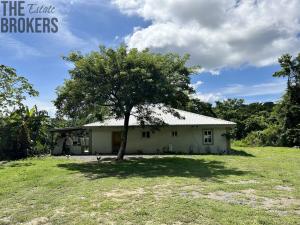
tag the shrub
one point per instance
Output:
(23, 133)
(240, 143)
(291, 137)
(39, 149)
(267, 137)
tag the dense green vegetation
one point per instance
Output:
(254, 186)
(250, 118)
(23, 131)
(267, 123)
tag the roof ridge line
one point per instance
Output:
(203, 115)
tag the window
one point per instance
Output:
(174, 133)
(208, 137)
(146, 134)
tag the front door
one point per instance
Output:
(116, 142)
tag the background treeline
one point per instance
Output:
(263, 124)
(258, 124)
(277, 125)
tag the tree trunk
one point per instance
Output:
(122, 149)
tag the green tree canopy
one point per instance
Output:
(196, 106)
(289, 109)
(248, 117)
(121, 79)
(13, 89)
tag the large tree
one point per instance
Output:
(289, 109)
(13, 89)
(123, 79)
(232, 110)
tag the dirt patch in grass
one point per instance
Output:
(249, 198)
(162, 186)
(162, 193)
(222, 196)
(243, 182)
(106, 218)
(192, 188)
(269, 203)
(3, 162)
(60, 211)
(283, 188)
(5, 220)
(124, 193)
(38, 221)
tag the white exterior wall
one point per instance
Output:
(189, 138)
(102, 140)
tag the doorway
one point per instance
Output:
(116, 141)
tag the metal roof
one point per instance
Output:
(186, 119)
(66, 129)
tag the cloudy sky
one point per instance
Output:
(237, 42)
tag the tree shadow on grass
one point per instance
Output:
(15, 164)
(240, 153)
(154, 167)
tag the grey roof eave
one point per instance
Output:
(166, 125)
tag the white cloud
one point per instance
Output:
(209, 97)
(218, 33)
(197, 84)
(243, 91)
(18, 48)
(239, 90)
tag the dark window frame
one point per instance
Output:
(205, 136)
(174, 133)
(146, 134)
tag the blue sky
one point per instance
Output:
(236, 42)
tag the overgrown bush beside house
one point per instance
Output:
(267, 137)
(24, 133)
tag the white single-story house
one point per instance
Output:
(189, 134)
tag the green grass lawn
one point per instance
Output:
(255, 186)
